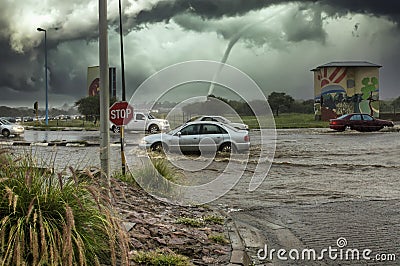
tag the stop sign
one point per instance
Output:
(121, 113)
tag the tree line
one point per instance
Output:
(279, 102)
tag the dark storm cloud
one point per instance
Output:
(165, 10)
(388, 8)
(303, 24)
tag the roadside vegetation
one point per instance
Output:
(60, 124)
(159, 258)
(50, 219)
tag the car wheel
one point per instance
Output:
(5, 133)
(157, 147)
(153, 129)
(116, 129)
(226, 148)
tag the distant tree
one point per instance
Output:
(304, 107)
(90, 106)
(279, 100)
(396, 104)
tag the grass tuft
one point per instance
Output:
(159, 258)
(219, 239)
(156, 176)
(194, 222)
(215, 219)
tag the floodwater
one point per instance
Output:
(318, 165)
(309, 165)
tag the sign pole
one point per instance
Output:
(123, 162)
(104, 94)
(122, 140)
(120, 114)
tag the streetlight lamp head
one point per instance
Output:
(40, 29)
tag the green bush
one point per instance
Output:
(48, 219)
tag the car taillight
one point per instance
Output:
(247, 138)
(333, 122)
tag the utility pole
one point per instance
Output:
(104, 93)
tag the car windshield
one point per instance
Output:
(222, 119)
(5, 122)
(342, 117)
(174, 131)
(150, 116)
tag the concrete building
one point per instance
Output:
(346, 87)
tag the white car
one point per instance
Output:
(144, 122)
(199, 136)
(220, 119)
(7, 128)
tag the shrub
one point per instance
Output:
(48, 219)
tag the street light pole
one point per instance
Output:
(45, 73)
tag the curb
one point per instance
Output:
(239, 255)
(60, 143)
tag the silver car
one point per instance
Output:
(220, 119)
(199, 136)
(7, 128)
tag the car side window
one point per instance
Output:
(140, 117)
(190, 130)
(355, 117)
(212, 129)
(367, 118)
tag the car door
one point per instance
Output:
(189, 138)
(211, 137)
(138, 123)
(369, 123)
(356, 122)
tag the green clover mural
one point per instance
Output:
(370, 85)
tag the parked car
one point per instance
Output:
(7, 128)
(359, 122)
(144, 122)
(221, 119)
(199, 136)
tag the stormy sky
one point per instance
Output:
(279, 42)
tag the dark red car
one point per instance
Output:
(359, 122)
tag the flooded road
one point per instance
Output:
(310, 165)
(314, 165)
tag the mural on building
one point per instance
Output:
(343, 89)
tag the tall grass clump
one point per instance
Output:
(48, 219)
(155, 176)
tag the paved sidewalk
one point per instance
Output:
(364, 224)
